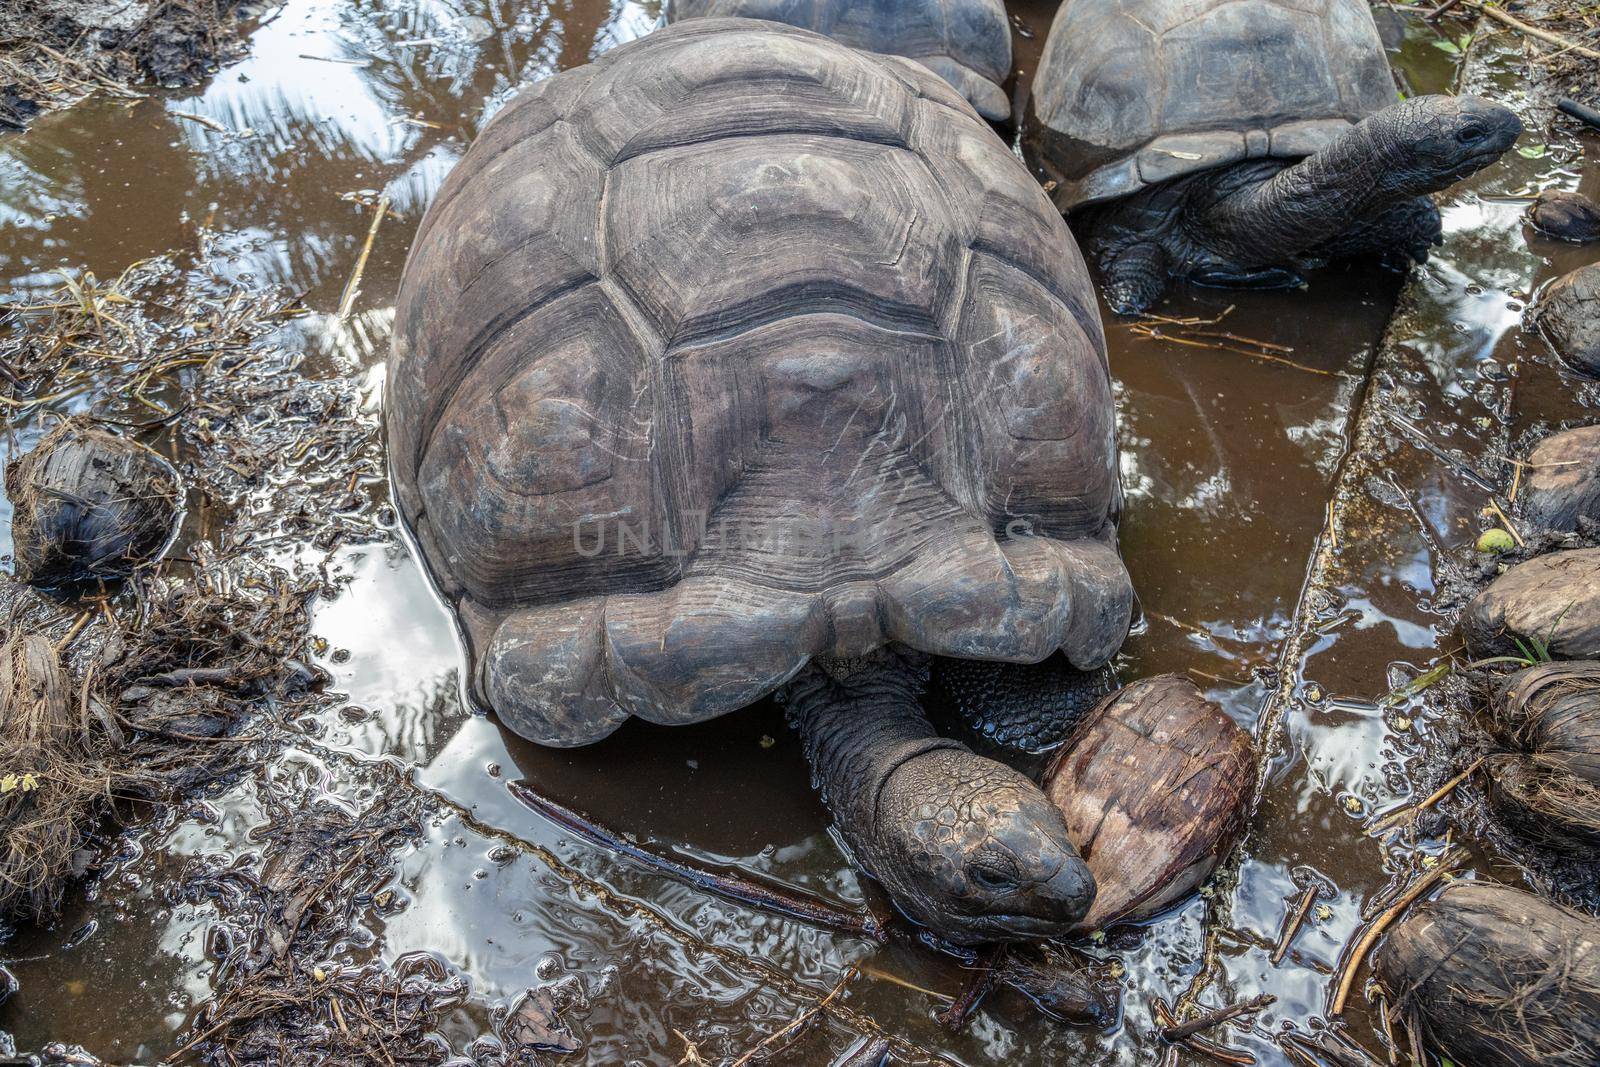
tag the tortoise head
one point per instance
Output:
(1431, 142)
(975, 851)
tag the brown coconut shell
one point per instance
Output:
(1499, 977)
(1155, 784)
(89, 506)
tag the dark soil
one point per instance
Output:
(53, 52)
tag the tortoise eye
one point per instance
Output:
(992, 878)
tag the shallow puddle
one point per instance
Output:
(1297, 615)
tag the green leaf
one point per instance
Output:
(1448, 46)
(1532, 151)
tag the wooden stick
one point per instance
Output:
(1376, 928)
(1405, 814)
(1586, 115)
(1441, 9)
(793, 903)
(77, 627)
(353, 286)
(1531, 31)
(1301, 909)
(1199, 1045)
(1212, 1018)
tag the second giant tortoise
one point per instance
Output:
(1242, 141)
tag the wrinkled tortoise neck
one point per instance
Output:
(859, 721)
(1307, 204)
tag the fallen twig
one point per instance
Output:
(1375, 929)
(1199, 1045)
(1295, 920)
(1395, 818)
(1206, 1021)
(1505, 19)
(793, 903)
(352, 288)
(1586, 115)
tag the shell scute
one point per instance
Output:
(813, 222)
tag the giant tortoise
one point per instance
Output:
(965, 42)
(1242, 141)
(740, 361)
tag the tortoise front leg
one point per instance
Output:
(1023, 707)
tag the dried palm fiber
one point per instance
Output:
(1547, 787)
(51, 782)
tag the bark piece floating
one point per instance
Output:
(89, 506)
(793, 903)
(1499, 977)
(1154, 784)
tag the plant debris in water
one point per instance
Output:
(54, 52)
(283, 996)
(189, 672)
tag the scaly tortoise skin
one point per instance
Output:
(657, 296)
(965, 42)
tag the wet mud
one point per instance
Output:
(55, 52)
(1302, 476)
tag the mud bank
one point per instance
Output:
(57, 51)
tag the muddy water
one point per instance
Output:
(1296, 623)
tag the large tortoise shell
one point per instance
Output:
(1131, 93)
(735, 347)
(956, 39)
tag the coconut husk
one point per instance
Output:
(1546, 606)
(1544, 804)
(51, 779)
(1554, 710)
(1154, 785)
(89, 506)
(1547, 789)
(1498, 976)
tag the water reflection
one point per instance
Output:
(1228, 462)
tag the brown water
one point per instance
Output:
(1229, 461)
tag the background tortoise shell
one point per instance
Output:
(728, 289)
(942, 35)
(1131, 93)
